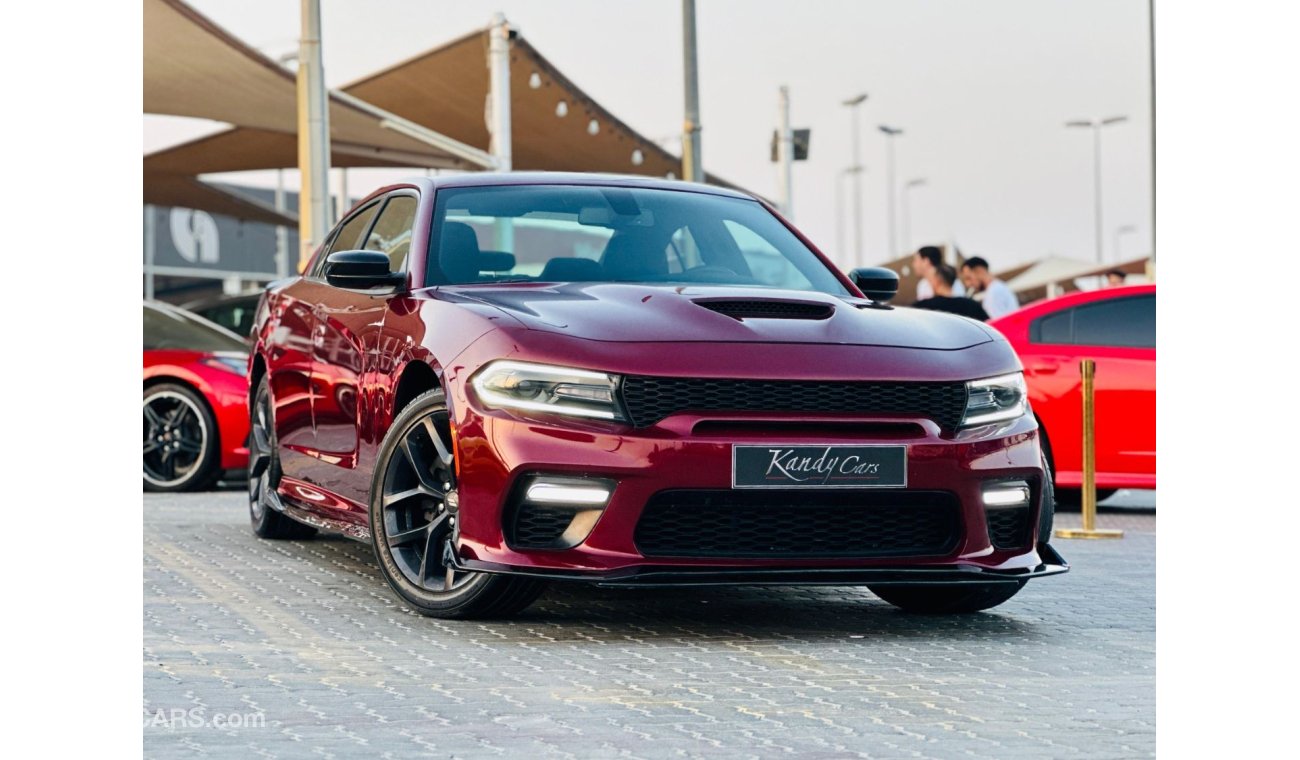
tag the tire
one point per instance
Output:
(264, 473)
(413, 505)
(949, 599)
(181, 443)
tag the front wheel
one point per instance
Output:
(180, 440)
(948, 599)
(413, 513)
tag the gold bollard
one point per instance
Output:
(1088, 368)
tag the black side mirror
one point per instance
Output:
(361, 270)
(877, 283)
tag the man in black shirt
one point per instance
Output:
(941, 279)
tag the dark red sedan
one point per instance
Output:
(505, 380)
(195, 400)
(1116, 327)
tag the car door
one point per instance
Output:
(1119, 335)
(295, 388)
(349, 327)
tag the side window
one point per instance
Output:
(1121, 322)
(683, 253)
(348, 237)
(1125, 322)
(766, 263)
(392, 231)
(1054, 328)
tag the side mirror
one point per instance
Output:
(361, 270)
(877, 283)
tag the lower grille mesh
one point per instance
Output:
(724, 523)
(536, 528)
(1009, 528)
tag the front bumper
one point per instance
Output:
(651, 576)
(498, 449)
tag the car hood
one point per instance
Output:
(649, 313)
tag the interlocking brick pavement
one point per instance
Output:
(302, 644)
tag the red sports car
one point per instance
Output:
(195, 400)
(504, 380)
(1116, 327)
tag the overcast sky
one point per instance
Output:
(981, 89)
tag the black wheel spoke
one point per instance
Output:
(406, 537)
(189, 446)
(151, 445)
(412, 454)
(444, 455)
(392, 499)
(151, 415)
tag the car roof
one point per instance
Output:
(489, 179)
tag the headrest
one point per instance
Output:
(459, 256)
(571, 269)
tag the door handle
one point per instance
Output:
(1044, 366)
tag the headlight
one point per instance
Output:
(995, 399)
(230, 362)
(541, 388)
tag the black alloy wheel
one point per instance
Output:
(413, 512)
(180, 440)
(264, 473)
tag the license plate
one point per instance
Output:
(824, 466)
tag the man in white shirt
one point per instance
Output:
(992, 293)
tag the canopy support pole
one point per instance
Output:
(499, 94)
(785, 154)
(692, 162)
(313, 137)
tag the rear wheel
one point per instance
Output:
(413, 513)
(948, 599)
(180, 440)
(264, 473)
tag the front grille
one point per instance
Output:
(650, 399)
(769, 309)
(537, 528)
(1009, 527)
(799, 524)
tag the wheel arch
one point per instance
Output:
(416, 377)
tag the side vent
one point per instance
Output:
(741, 310)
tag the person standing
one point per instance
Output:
(992, 293)
(941, 282)
(924, 263)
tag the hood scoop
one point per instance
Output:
(742, 309)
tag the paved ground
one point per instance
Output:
(255, 648)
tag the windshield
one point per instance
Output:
(573, 233)
(175, 329)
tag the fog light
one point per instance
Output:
(576, 492)
(1006, 495)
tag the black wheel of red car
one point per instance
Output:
(1047, 515)
(948, 599)
(264, 473)
(413, 511)
(180, 439)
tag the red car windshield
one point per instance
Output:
(574, 233)
(166, 328)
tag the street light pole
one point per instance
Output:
(313, 136)
(856, 168)
(785, 154)
(891, 188)
(907, 209)
(692, 166)
(839, 214)
(1095, 125)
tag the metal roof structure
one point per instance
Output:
(427, 111)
